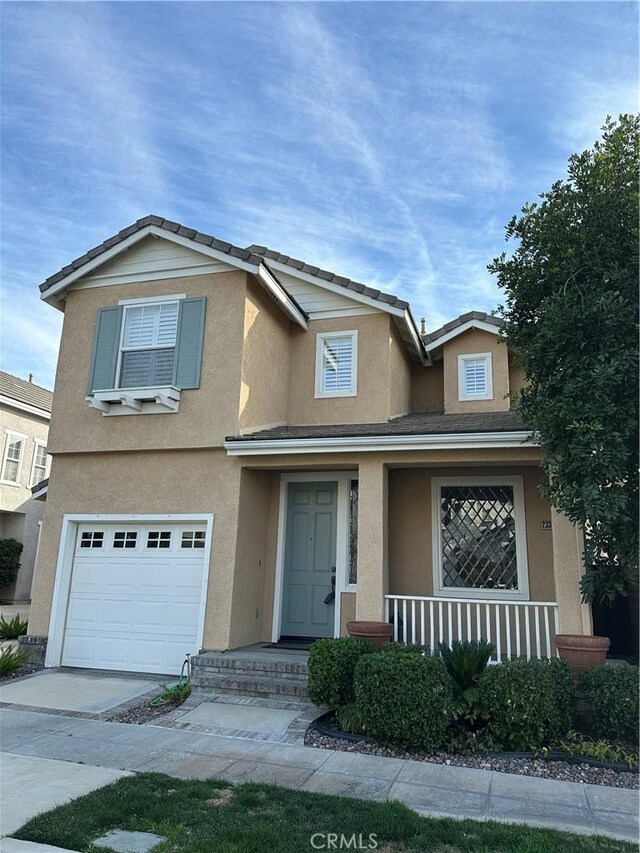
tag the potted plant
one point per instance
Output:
(582, 651)
(377, 632)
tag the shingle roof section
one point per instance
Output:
(167, 225)
(415, 424)
(25, 392)
(326, 275)
(460, 321)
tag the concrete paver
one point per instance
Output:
(73, 691)
(433, 789)
(129, 842)
(240, 717)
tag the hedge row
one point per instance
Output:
(405, 698)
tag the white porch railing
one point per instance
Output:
(522, 628)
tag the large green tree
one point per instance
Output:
(571, 312)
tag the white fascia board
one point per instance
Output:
(268, 279)
(417, 340)
(376, 443)
(50, 294)
(335, 288)
(25, 407)
(459, 330)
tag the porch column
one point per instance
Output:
(373, 570)
(568, 568)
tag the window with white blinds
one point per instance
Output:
(474, 377)
(148, 345)
(336, 364)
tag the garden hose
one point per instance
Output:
(175, 692)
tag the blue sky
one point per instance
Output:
(389, 142)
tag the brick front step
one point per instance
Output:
(246, 685)
(242, 674)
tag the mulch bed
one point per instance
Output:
(140, 714)
(541, 767)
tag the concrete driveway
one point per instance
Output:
(33, 785)
(74, 691)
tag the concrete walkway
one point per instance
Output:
(430, 789)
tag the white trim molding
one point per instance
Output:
(460, 330)
(352, 390)
(485, 357)
(37, 442)
(342, 478)
(375, 443)
(64, 569)
(25, 407)
(439, 590)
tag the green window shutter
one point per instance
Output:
(105, 349)
(186, 371)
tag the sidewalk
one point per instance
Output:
(431, 789)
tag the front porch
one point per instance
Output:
(457, 547)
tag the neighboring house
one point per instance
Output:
(236, 434)
(25, 410)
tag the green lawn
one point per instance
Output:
(214, 817)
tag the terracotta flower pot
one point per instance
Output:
(582, 651)
(377, 632)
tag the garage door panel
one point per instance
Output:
(136, 608)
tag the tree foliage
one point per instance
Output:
(571, 312)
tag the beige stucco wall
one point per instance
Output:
(206, 415)
(427, 387)
(19, 513)
(399, 375)
(264, 395)
(204, 481)
(348, 610)
(372, 403)
(473, 341)
(516, 377)
(410, 539)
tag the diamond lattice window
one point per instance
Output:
(477, 525)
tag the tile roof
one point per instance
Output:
(347, 283)
(415, 424)
(460, 321)
(253, 255)
(159, 222)
(25, 392)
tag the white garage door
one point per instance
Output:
(135, 597)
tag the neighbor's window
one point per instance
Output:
(12, 458)
(148, 345)
(353, 531)
(39, 472)
(337, 364)
(474, 377)
(480, 546)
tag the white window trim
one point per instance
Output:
(472, 356)
(320, 339)
(8, 435)
(47, 462)
(522, 593)
(135, 303)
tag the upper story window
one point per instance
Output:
(337, 364)
(12, 457)
(40, 463)
(148, 346)
(474, 376)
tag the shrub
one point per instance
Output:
(332, 665)
(611, 695)
(527, 703)
(465, 662)
(10, 660)
(404, 699)
(10, 550)
(349, 719)
(602, 750)
(12, 629)
(394, 648)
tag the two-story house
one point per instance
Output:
(25, 411)
(236, 435)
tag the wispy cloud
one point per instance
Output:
(387, 142)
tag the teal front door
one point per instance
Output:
(309, 560)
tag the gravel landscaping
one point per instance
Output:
(25, 669)
(141, 713)
(543, 768)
